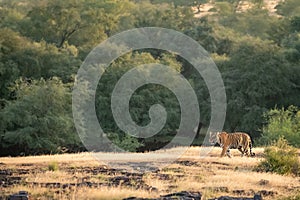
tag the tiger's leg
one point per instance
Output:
(228, 153)
(225, 149)
(249, 149)
(241, 150)
(246, 151)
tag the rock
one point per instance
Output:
(263, 182)
(266, 193)
(53, 185)
(187, 163)
(5, 172)
(233, 198)
(23, 171)
(164, 176)
(27, 164)
(69, 185)
(22, 195)
(217, 189)
(257, 197)
(184, 195)
(7, 181)
(239, 192)
(119, 180)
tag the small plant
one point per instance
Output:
(101, 177)
(133, 182)
(281, 158)
(53, 166)
(198, 177)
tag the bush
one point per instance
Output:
(282, 123)
(125, 142)
(292, 197)
(281, 158)
(53, 166)
(39, 120)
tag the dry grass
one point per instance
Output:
(79, 157)
(103, 193)
(207, 174)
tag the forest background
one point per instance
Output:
(43, 44)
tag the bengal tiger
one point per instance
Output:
(241, 141)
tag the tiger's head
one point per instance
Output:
(216, 137)
(213, 137)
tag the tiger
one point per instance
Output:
(241, 141)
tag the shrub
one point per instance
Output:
(282, 123)
(125, 142)
(292, 197)
(280, 158)
(53, 166)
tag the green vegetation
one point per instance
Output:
(293, 197)
(43, 43)
(281, 158)
(282, 123)
(39, 120)
(53, 166)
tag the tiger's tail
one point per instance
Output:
(250, 146)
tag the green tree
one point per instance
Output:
(39, 121)
(249, 22)
(140, 102)
(251, 77)
(10, 17)
(79, 23)
(288, 8)
(166, 16)
(202, 31)
(10, 42)
(19, 57)
(46, 60)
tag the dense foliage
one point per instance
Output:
(282, 123)
(39, 120)
(43, 43)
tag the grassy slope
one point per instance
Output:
(207, 175)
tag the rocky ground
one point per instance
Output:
(189, 177)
